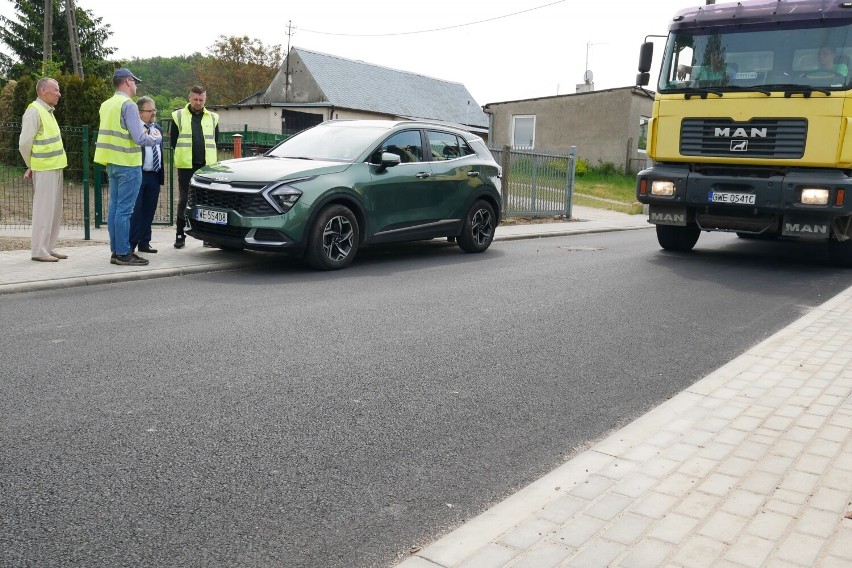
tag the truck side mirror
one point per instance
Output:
(646, 54)
(642, 79)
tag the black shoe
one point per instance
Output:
(147, 248)
(130, 260)
(112, 259)
(180, 240)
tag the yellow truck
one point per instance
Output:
(751, 129)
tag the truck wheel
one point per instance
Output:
(478, 230)
(678, 238)
(333, 239)
(840, 253)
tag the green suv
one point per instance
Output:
(342, 184)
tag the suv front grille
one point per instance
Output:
(758, 138)
(247, 201)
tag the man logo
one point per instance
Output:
(739, 145)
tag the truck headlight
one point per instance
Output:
(814, 196)
(283, 196)
(662, 188)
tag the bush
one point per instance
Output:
(581, 168)
(606, 169)
(558, 167)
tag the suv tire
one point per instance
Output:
(478, 230)
(333, 239)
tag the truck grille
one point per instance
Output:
(759, 138)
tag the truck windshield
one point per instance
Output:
(780, 57)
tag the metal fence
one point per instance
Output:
(536, 184)
(16, 193)
(86, 193)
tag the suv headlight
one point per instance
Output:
(283, 196)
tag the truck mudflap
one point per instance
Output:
(669, 215)
(807, 226)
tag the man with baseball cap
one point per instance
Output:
(119, 147)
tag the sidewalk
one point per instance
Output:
(88, 265)
(750, 466)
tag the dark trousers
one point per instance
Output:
(143, 211)
(184, 176)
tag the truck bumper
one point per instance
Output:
(749, 202)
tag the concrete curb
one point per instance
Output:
(79, 281)
(129, 274)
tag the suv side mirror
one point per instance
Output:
(646, 54)
(389, 160)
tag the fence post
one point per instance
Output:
(238, 145)
(85, 167)
(97, 185)
(505, 161)
(534, 183)
(569, 189)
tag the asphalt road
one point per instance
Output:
(283, 417)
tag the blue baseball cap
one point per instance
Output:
(124, 72)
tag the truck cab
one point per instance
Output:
(750, 130)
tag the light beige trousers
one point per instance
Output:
(47, 211)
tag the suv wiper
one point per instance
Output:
(791, 89)
(691, 92)
(294, 157)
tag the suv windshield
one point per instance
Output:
(336, 142)
(780, 57)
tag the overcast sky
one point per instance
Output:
(499, 50)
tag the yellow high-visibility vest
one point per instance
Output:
(183, 145)
(48, 153)
(115, 145)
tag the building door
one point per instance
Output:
(293, 121)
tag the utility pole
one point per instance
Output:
(287, 60)
(76, 57)
(47, 46)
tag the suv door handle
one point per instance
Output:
(422, 175)
(473, 174)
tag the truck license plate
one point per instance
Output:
(210, 216)
(734, 198)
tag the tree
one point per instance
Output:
(237, 67)
(25, 39)
(172, 76)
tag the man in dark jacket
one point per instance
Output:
(194, 133)
(153, 177)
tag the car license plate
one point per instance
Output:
(210, 216)
(734, 198)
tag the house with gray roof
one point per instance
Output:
(311, 87)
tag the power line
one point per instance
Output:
(434, 29)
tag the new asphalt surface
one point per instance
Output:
(750, 466)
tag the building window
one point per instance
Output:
(523, 131)
(643, 133)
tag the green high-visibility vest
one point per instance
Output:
(48, 153)
(183, 145)
(115, 145)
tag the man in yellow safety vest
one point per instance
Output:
(41, 147)
(193, 137)
(119, 147)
